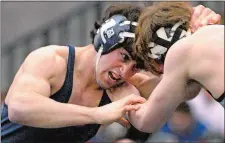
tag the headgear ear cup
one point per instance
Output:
(113, 32)
(97, 41)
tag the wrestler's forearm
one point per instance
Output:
(144, 121)
(136, 118)
(145, 83)
(153, 114)
(39, 111)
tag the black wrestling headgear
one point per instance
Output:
(113, 33)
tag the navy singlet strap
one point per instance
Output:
(64, 93)
(221, 97)
(105, 99)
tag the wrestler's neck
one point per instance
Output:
(85, 65)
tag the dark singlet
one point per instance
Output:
(220, 99)
(16, 133)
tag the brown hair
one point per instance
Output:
(158, 15)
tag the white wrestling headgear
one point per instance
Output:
(164, 38)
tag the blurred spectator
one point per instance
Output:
(181, 127)
(118, 134)
(109, 133)
(136, 135)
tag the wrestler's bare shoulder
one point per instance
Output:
(53, 58)
(210, 36)
(58, 50)
(219, 29)
(60, 54)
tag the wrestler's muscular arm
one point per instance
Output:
(145, 83)
(169, 93)
(29, 103)
(141, 84)
(28, 98)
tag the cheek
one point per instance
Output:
(108, 62)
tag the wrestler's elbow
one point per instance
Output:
(135, 121)
(147, 127)
(16, 111)
(148, 124)
(142, 122)
(140, 126)
(15, 114)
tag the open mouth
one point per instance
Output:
(113, 76)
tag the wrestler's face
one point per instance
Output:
(114, 68)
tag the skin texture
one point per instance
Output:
(145, 82)
(43, 72)
(183, 62)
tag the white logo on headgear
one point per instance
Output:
(110, 33)
(109, 23)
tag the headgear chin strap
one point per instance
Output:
(164, 38)
(98, 58)
(111, 33)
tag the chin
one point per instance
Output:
(107, 86)
(102, 85)
(118, 85)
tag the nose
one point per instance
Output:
(128, 70)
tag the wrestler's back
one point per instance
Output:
(206, 58)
